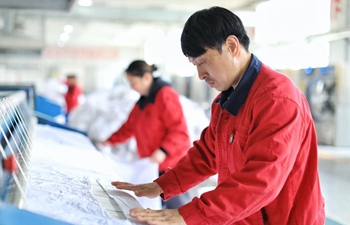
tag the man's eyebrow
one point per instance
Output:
(191, 59)
(201, 57)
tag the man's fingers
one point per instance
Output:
(147, 214)
(119, 183)
(124, 185)
(141, 213)
(158, 217)
(150, 190)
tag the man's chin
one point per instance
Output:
(218, 89)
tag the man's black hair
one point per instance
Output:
(209, 28)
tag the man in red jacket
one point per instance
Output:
(261, 140)
(73, 93)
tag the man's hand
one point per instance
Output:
(156, 217)
(150, 190)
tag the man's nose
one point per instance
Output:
(202, 75)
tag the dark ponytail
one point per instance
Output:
(139, 67)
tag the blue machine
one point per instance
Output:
(10, 215)
(29, 89)
(319, 85)
(16, 128)
(47, 107)
(15, 131)
(43, 109)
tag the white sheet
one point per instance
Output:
(61, 168)
(136, 171)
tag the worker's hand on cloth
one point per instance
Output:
(104, 146)
(158, 156)
(105, 143)
(150, 190)
(155, 217)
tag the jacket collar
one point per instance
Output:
(231, 99)
(150, 98)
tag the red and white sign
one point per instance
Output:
(85, 53)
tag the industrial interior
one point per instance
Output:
(53, 169)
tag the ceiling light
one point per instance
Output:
(68, 29)
(60, 43)
(64, 37)
(85, 2)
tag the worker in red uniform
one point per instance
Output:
(73, 93)
(157, 122)
(261, 139)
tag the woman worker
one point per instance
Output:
(157, 122)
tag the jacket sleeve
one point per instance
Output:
(176, 140)
(195, 167)
(198, 165)
(126, 131)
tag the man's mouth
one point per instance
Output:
(210, 83)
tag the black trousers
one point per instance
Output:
(176, 201)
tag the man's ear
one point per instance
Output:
(233, 44)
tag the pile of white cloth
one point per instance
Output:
(104, 112)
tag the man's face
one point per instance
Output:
(216, 68)
(71, 81)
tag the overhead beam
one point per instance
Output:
(56, 5)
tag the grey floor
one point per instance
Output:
(334, 169)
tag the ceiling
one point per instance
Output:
(26, 27)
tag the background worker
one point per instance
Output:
(157, 122)
(73, 94)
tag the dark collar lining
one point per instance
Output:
(156, 86)
(231, 99)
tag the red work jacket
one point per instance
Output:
(262, 143)
(72, 97)
(157, 122)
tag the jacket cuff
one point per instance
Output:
(169, 184)
(191, 214)
(163, 150)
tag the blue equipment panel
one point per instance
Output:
(10, 215)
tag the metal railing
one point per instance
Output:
(16, 131)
